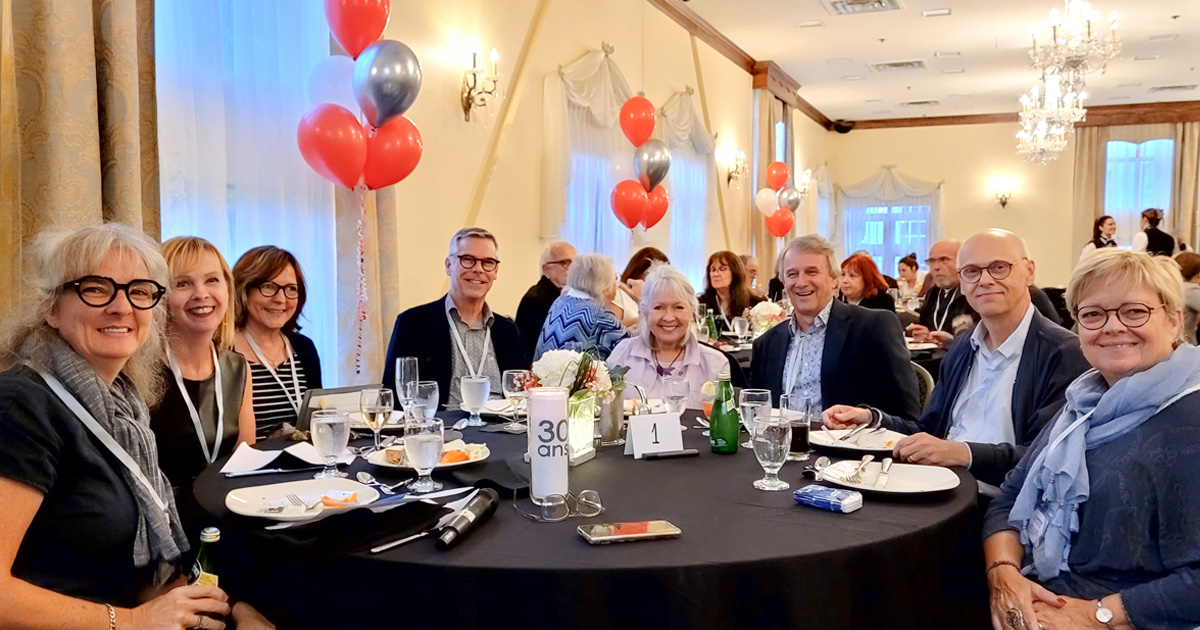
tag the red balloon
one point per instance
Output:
(356, 24)
(393, 151)
(637, 119)
(332, 142)
(630, 203)
(777, 175)
(781, 222)
(659, 201)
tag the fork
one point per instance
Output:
(857, 476)
(858, 438)
(298, 502)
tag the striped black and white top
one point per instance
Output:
(271, 405)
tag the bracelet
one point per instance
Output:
(112, 617)
(1001, 562)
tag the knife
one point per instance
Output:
(882, 479)
(269, 471)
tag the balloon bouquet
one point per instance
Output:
(380, 77)
(778, 201)
(643, 200)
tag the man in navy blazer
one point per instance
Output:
(1000, 385)
(830, 351)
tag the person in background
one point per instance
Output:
(457, 334)
(726, 290)
(269, 294)
(578, 319)
(945, 311)
(863, 285)
(1189, 268)
(666, 346)
(1152, 240)
(998, 387)
(625, 302)
(535, 304)
(912, 278)
(1102, 236)
(750, 264)
(891, 282)
(91, 537)
(775, 286)
(1096, 526)
(832, 352)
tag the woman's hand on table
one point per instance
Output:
(921, 334)
(181, 608)
(845, 416)
(245, 617)
(923, 448)
(1012, 591)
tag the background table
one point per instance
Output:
(746, 558)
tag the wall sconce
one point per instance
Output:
(805, 182)
(1003, 189)
(735, 163)
(478, 87)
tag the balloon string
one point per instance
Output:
(360, 315)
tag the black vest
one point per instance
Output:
(1159, 243)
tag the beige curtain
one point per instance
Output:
(1185, 196)
(1091, 147)
(77, 121)
(771, 111)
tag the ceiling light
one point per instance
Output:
(1129, 85)
(1075, 44)
(897, 66)
(1146, 57)
(834, 62)
(853, 7)
(954, 53)
(935, 12)
(809, 24)
(853, 77)
(954, 71)
(873, 100)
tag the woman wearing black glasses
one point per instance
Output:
(269, 298)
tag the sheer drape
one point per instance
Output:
(768, 145)
(693, 198)
(828, 221)
(1185, 197)
(889, 215)
(1091, 145)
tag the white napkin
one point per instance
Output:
(246, 457)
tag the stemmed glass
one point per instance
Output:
(514, 383)
(424, 394)
(475, 391)
(798, 410)
(376, 407)
(406, 372)
(741, 328)
(754, 403)
(676, 390)
(423, 442)
(330, 435)
(772, 439)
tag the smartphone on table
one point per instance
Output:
(604, 533)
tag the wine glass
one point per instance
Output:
(676, 390)
(406, 372)
(376, 407)
(330, 435)
(423, 442)
(475, 391)
(514, 383)
(798, 410)
(741, 327)
(754, 403)
(425, 394)
(772, 437)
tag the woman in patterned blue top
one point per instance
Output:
(1097, 527)
(579, 319)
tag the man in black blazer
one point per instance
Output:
(535, 304)
(998, 386)
(457, 334)
(830, 351)
(945, 311)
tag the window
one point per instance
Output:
(887, 232)
(1137, 176)
(590, 224)
(688, 186)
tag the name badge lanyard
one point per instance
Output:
(209, 456)
(105, 438)
(258, 354)
(487, 343)
(937, 307)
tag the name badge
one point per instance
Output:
(653, 433)
(1037, 525)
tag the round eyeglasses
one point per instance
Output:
(998, 270)
(1131, 314)
(99, 291)
(558, 507)
(270, 289)
(468, 262)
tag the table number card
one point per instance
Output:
(653, 433)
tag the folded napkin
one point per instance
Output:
(354, 531)
(507, 476)
(246, 457)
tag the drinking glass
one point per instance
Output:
(406, 372)
(376, 407)
(474, 391)
(425, 394)
(798, 411)
(423, 442)
(754, 403)
(772, 439)
(514, 383)
(741, 327)
(330, 435)
(676, 390)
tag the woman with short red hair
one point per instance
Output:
(863, 285)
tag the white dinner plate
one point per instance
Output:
(494, 407)
(379, 458)
(253, 500)
(879, 443)
(912, 345)
(902, 478)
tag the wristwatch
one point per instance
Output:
(1103, 615)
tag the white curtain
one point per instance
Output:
(689, 182)
(231, 90)
(890, 216)
(827, 220)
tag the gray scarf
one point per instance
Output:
(160, 539)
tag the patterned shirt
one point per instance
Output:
(802, 371)
(473, 338)
(272, 405)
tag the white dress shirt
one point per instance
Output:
(983, 410)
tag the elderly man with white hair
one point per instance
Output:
(535, 304)
(579, 319)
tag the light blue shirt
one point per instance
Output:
(802, 370)
(983, 410)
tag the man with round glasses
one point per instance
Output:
(458, 335)
(997, 387)
(945, 311)
(535, 304)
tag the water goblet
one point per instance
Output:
(514, 383)
(330, 435)
(772, 439)
(423, 443)
(406, 372)
(754, 403)
(425, 394)
(676, 390)
(376, 407)
(474, 391)
(741, 328)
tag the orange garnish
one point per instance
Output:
(336, 503)
(454, 456)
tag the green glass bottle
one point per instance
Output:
(204, 568)
(710, 322)
(724, 421)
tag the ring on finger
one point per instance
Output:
(199, 623)
(1013, 618)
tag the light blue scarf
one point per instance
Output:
(1046, 511)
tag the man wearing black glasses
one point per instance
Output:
(457, 335)
(945, 310)
(998, 386)
(535, 305)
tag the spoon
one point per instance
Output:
(369, 479)
(816, 467)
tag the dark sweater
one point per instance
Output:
(532, 311)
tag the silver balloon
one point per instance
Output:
(387, 77)
(651, 162)
(790, 198)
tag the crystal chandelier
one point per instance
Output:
(1048, 117)
(1077, 44)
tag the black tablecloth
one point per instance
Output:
(746, 558)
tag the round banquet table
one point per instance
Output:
(747, 558)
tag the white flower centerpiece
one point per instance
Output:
(764, 315)
(587, 380)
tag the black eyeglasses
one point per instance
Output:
(564, 263)
(489, 264)
(270, 289)
(998, 270)
(99, 291)
(1131, 314)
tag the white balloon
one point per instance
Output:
(767, 201)
(620, 166)
(332, 81)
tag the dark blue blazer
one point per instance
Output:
(1050, 360)
(865, 361)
